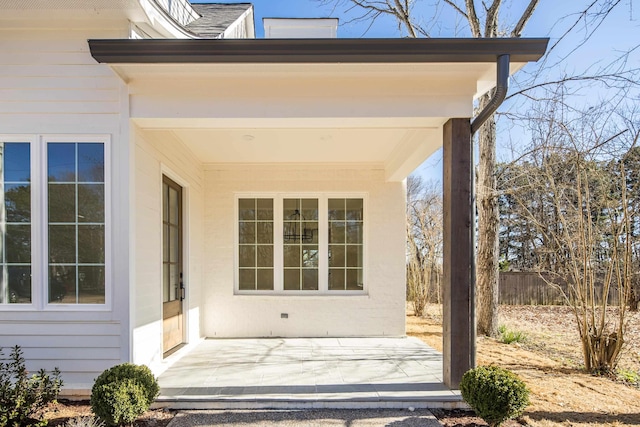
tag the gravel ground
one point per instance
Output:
(325, 417)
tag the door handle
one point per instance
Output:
(182, 289)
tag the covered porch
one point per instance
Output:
(291, 373)
(324, 120)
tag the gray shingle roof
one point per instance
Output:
(215, 17)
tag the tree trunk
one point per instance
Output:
(488, 218)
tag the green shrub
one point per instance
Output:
(119, 402)
(494, 393)
(508, 336)
(123, 393)
(21, 396)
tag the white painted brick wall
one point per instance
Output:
(378, 313)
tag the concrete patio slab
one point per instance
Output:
(307, 373)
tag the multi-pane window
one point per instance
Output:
(301, 244)
(76, 223)
(345, 244)
(255, 249)
(15, 223)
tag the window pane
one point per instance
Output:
(265, 280)
(265, 256)
(264, 232)
(354, 279)
(354, 232)
(309, 209)
(336, 256)
(17, 199)
(354, 209)
(336, 279)
(291, 231)
(265, 209)
(310, 280)
(247, 209)
(336, 209)
(62, 284)
(336, 232)
(19, 281)
(291, 209)
(90, 162)
(62, 203)
(91, 203)
(165, 243)
(61, 160)
(247, 256)
(354, 255)
(17, 162)
(310, 256)
(174, 238)
(292, 279)
(174, 207)
(18, 244)
(91, 285)
(291, 256)
(91, 244)
(247, 279)
(165, 202)
(310, 232)
(62, 244)
(247, 232)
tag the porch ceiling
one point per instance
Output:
(371, 102)
(374, 146)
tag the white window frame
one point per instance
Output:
(323, 243)
(40, 221)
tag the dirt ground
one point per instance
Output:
(549, 362)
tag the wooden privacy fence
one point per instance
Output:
(525, 288)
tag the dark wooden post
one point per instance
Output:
(459, 330)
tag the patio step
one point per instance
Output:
(217, 402)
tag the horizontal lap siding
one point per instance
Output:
(50, 84)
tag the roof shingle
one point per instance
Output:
(215, 17)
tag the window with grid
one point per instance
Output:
(345, 223)
(76, 223)
(255, 248)
(300, 244)
(15, 223)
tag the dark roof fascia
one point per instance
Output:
(263, 51)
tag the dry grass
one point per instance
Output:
(550, 363)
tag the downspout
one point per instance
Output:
(502, 85)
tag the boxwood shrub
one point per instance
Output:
(494, 393)
(123, 393)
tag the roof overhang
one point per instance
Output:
(285, 51)
(380, 102)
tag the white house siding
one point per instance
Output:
(158, 153)
(50, 85)
(379, 312)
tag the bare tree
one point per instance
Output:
(424, 243)
(575, 192)
(483, 20)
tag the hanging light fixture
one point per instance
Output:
(292, 229)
